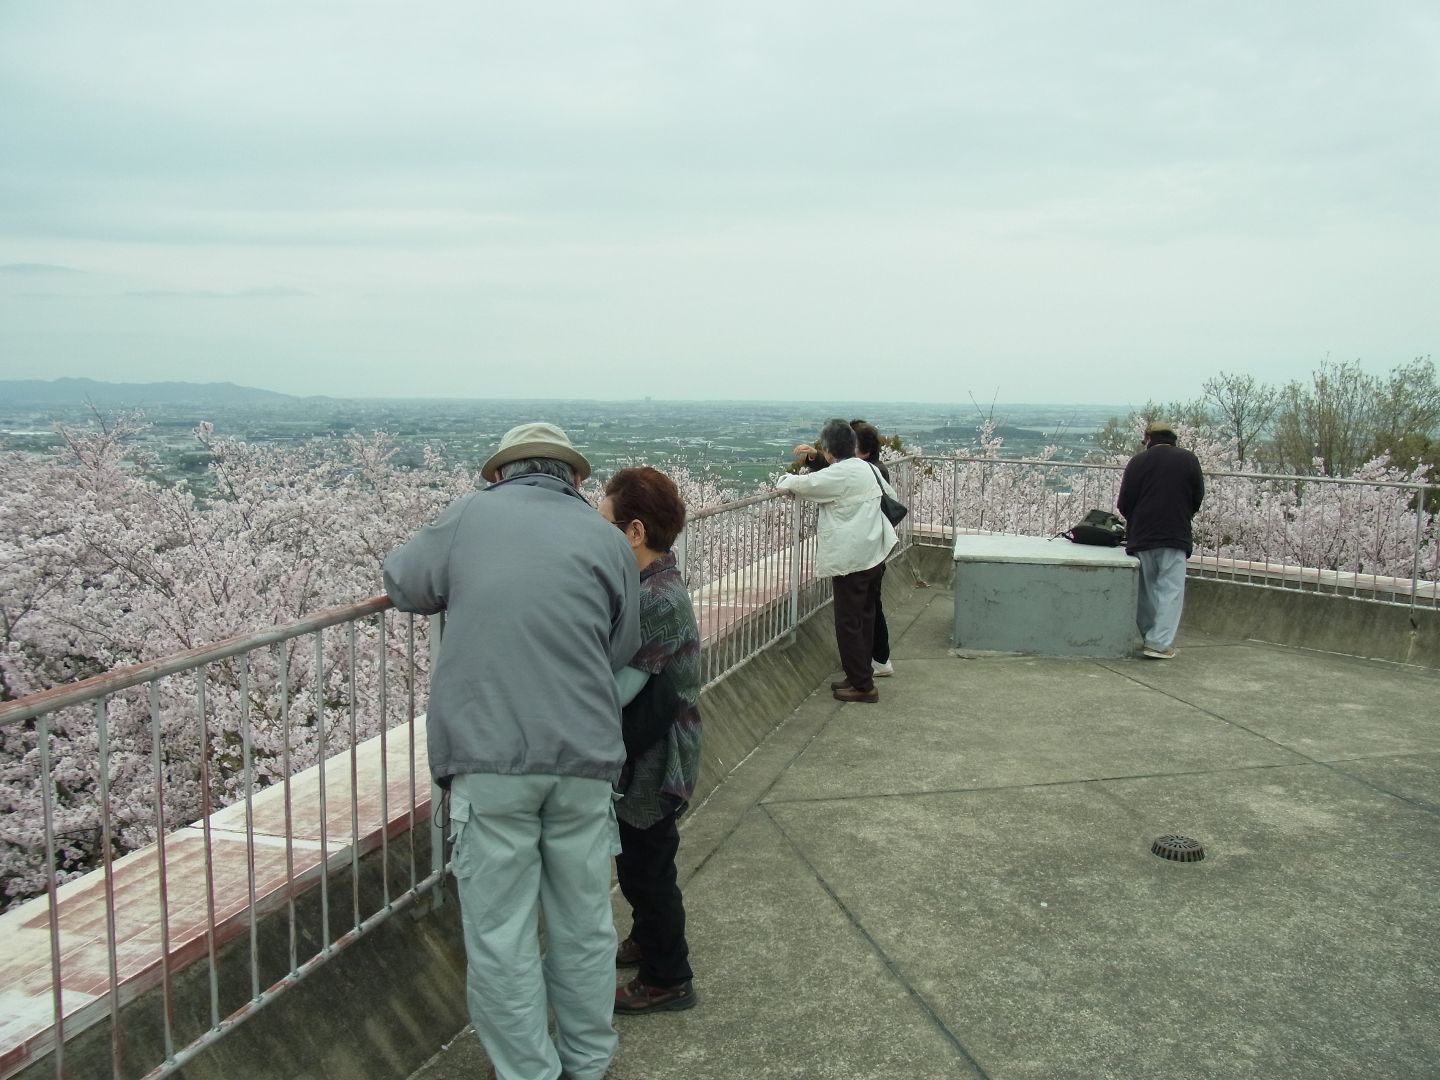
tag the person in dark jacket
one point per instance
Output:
(661, 729)
(1160, 494)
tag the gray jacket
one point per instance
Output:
(541, 596)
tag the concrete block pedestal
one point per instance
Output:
(1025, 594)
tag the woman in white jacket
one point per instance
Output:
(853, 542)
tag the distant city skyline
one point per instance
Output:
(930, 200)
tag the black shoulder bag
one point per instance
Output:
(1098, 528)
(894, 510)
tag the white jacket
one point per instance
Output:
(854, 534)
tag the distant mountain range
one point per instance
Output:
(15, 392)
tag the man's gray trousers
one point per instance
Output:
(520, 843)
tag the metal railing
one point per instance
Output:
(254, 724)
(1367, 539)
(291, 696)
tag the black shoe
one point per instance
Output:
(628, 954)
(849, 693)
(638, 996)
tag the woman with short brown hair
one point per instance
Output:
(662, 741)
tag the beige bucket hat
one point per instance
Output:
(537, 441)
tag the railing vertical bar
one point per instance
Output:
(716, 587)
(779, 580)
(354, 781)
(1435, 569)
(47, 810)
(321, 754)
(1419, 544)
(437, 838)
(383, 649)
(410, 727)
(795, 563)
(723, 526)
(703, 585)
(162, 877)
(102, 733)
(955, 500)
(742, 573)
(1358, 562)
(774, 584)
(742, 576)
(247, 750)
(289, 803)
(753, 568)
(211, 944)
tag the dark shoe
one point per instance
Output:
(843, 684)
(628, 954)
(638, 996)
(849, 693)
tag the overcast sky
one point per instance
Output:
(1048, 201)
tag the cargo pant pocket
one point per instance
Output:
(462, 860)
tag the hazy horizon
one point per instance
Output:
(982, 406)
(936, 199)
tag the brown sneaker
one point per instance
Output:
(843, 684)
(628, 954)
(638, 996)
(849, 693)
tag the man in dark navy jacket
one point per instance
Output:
(1161, 492)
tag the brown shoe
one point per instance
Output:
(638, 996)
(849, 693)
(843, 684)
(628, 954)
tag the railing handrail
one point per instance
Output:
(59, 697)
(1289, 478)
(734, 504)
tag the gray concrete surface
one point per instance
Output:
(1044, 596)
(957, 882)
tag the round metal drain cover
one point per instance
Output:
(1177, 849)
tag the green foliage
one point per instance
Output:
(1338, 420)
(1345, 417)
(1243, 408)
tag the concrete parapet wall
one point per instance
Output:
(1340, 624)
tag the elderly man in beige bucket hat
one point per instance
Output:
(541, 596)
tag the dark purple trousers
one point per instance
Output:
(857, 598)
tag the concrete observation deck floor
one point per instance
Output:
(957, 882)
